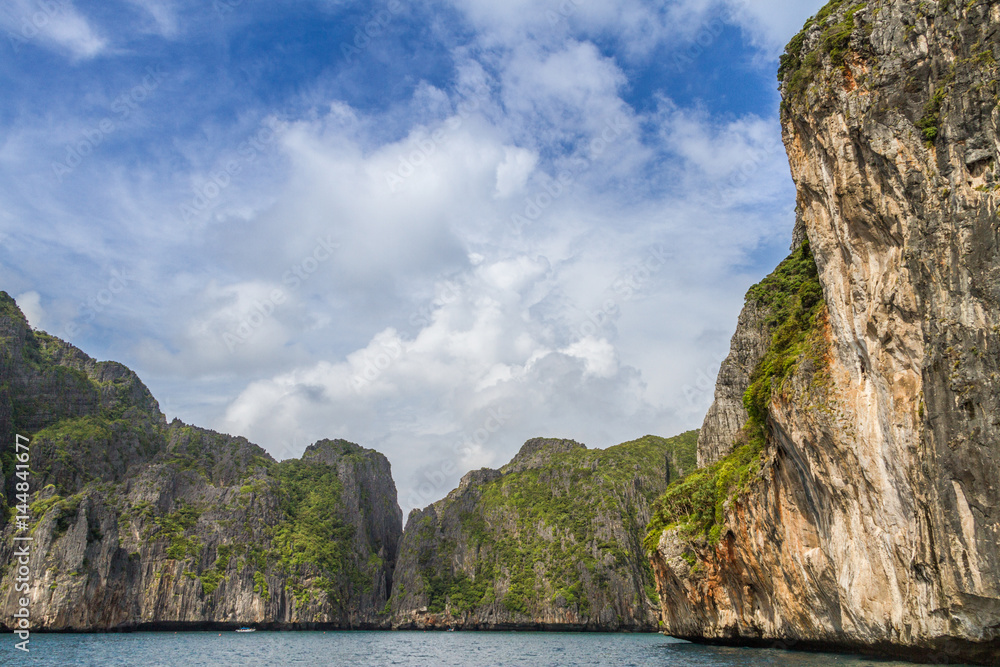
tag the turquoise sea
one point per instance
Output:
(412, 649)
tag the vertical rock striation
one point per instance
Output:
(867, 519)
(726, 417)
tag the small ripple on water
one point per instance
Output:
(413, 649)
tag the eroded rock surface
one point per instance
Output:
(872, 522)
(549, 541)
(140, 523)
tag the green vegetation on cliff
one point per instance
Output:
(314, 534)
(207, 521)
(558, 537)
(792, 298)
(696, 504)
(798, 69)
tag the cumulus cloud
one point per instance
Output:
(550, 329)
(483, 375)
(513, 172)
(512, 251)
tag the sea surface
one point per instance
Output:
(412, 649)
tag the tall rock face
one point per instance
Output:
(549, 541)
(138, 523)
(860, 509)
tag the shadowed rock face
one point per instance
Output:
(140, 523)
(549, 541)
(873, 522)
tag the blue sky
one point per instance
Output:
(436, 228)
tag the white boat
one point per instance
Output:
(247, 630)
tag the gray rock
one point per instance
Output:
(727, 416)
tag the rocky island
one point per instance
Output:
(551, 541)
(140, 524)
(143, 524)
(850, 500)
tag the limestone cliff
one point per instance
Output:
(140, 523)
(549, 541)
(726, 417)
(859, 509)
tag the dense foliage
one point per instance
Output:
(792, 299)
(208, 506)
(548, 532)
(798, 69)
(313, 532)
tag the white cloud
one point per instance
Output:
(572, 89)
(31, 305)
(55, 23)
(722, 158)
(163, 14)
(772, 23)
(513, 172)
(482, 354)
(235, 326)
(599, 356)
(439, 330)
(638, 26)
(594, 323)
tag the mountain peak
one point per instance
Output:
(539, 451)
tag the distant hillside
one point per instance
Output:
(140, 523)
(143, 524)
(552, 540)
